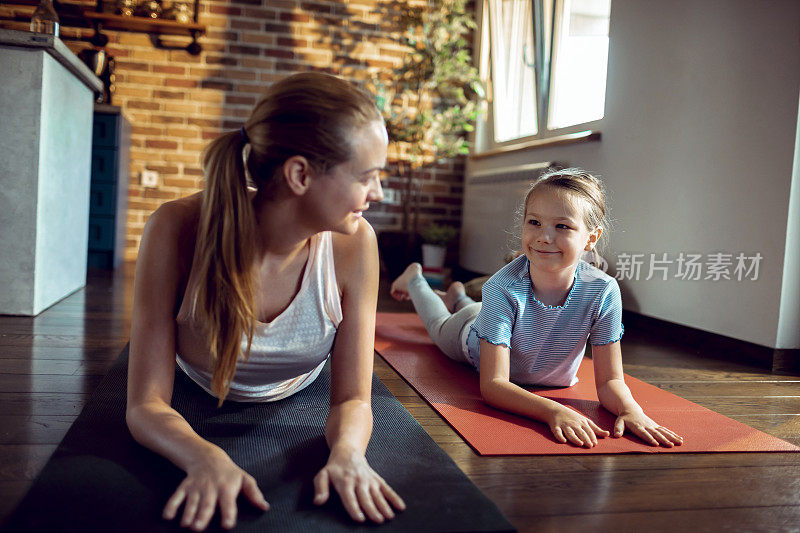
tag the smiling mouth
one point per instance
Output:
(544, 252)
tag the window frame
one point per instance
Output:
(545, 51)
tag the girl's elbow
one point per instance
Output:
(489, 392)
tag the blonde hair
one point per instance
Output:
(308, 114)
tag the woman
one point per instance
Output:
(250, 284)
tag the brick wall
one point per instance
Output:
(177, 102)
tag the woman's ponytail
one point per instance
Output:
(224, 302)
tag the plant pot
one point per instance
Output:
(433, 255)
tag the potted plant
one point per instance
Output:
(435, 238)
(429, 103)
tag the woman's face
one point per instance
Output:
(554, 233)
(345, 192)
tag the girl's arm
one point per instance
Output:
(615, 396)
(498, 391)
(212, 478)
(349, 425)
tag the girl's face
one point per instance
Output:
(554, 234)
(345, 192)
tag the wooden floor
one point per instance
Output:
(49, 365)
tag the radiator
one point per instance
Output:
(491, 216)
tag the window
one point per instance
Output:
(545, 61)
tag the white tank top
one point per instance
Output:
(288, 353)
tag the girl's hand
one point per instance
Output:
(568, 425)
(216, 481)
(360, 488)
(646, 429)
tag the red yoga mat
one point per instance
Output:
(453, 390)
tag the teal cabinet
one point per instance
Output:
(109, 187)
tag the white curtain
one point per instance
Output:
(513, 72)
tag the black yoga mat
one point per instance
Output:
(100, 479)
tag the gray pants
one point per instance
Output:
(444, 328)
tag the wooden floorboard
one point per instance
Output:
(49, 365)
(29, 403)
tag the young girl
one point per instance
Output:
(537, 314)
(250, 285)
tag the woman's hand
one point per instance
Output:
(646, 429)
(361, 489)
(570, 426)
(214, 481)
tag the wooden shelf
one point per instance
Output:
(71, 15)
(80, 16)
(143, 24)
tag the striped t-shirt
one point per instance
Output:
(546, 342)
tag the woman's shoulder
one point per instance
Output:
(348, 247)
(352, 252)
(176, 215)
(165, 253)
(173, 227)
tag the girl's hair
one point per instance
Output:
(577, 183)
(310, 114)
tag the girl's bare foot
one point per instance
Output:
(455, 292)
(399, 288)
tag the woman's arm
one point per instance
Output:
(212, 477)
(498, 391)
(615, 396)
(349, 424)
